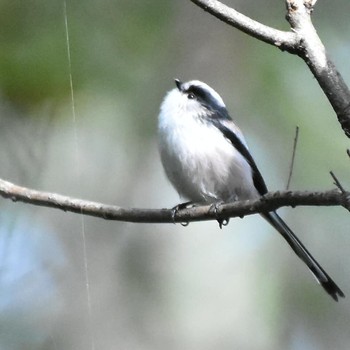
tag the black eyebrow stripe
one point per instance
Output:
(207, 100)
(199, 92)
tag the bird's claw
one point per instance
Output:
(178, 207)
(215, 208)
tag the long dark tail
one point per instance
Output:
(321, 275)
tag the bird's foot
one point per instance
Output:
(178, 207)
(215, 208)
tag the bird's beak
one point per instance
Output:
(178, 84)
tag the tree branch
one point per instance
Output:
(271, 201)
(302, 40)
(337, 182)
(291, 168)
(281, 39)
(313, 52)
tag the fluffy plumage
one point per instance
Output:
(206, 158)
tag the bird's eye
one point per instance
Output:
(190, 96)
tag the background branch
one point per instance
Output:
(269, 202)
(281, 39)
(291, 168)
(302, 40)
(313, 52)
(337, 182)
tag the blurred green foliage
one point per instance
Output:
(33, 58)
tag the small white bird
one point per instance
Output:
(206, 158)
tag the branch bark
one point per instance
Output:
(270, 202)
(301, 40)
(282, 39)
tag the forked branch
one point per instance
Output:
(301, 40)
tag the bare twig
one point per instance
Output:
(302, 40)
(269, 202)
(348, 152)
(293, 157)
(337, 182)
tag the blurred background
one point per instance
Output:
(146, 286)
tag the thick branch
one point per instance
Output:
(302, 40)
(269, 202)
(313, 52)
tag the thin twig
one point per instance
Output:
(296, 137)
(337, 182)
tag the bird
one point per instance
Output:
(206, 158)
